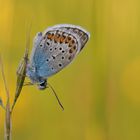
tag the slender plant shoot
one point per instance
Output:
(7, 131)
(21, 72)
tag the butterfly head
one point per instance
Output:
(42, 85)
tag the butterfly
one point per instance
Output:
(53, 50)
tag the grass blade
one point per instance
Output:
(21, 72)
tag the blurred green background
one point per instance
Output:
(100, 90)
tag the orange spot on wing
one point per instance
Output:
(50, 36)
(71, 43)
(57, 38)
(62, 39)
(67, 40)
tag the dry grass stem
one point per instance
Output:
(7, 131)
(21, 72)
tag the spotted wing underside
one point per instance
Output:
(57, 47)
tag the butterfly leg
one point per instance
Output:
(27, 84)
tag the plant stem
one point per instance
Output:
(7, 122)
(21, 72)
(7, 132)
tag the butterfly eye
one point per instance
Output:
(42, 85)
(62, 57)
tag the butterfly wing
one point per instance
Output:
(57, 47)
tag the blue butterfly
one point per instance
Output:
(53, 50)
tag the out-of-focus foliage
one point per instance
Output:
(100, 90)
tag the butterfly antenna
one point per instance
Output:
(56, 96)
